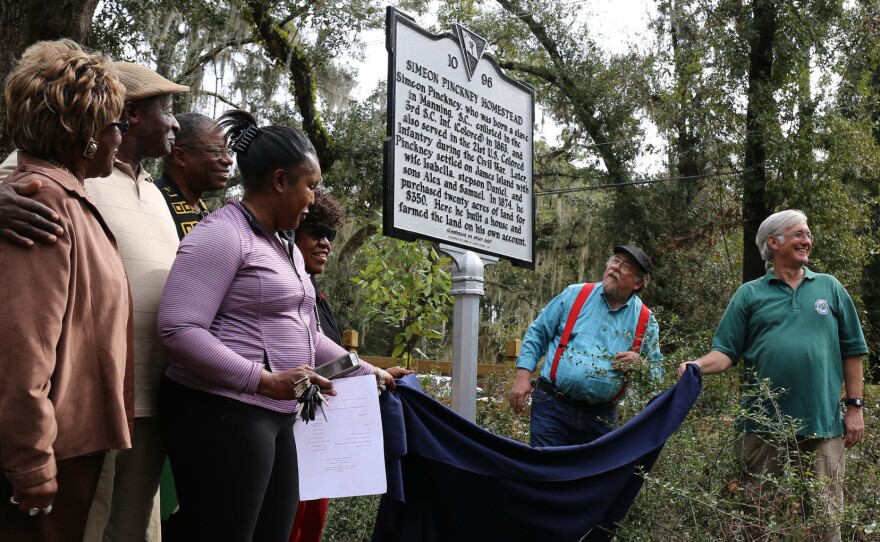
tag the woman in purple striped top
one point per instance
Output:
(237, 317)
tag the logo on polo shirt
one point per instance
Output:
(821, 306)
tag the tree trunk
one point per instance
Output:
(687, 142)
(25, 22)
(287, 53)
(871, 274)
(759, 113)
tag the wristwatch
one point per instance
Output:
(854, 401)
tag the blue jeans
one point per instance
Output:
(555, 422)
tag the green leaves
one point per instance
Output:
(406, 285)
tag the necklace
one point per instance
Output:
(59, 165)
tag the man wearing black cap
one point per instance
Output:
(593, 335)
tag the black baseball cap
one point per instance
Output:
(638, 255)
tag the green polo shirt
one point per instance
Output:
(797, 339)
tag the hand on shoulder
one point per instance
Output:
(24, 220)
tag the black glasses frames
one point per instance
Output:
(216, 152)
(624, 266)
(320, 231)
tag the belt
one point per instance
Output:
(551, 389)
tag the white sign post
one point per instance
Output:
(458, 167)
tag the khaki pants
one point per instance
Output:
(126, 504)
(828, 463)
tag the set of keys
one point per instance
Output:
(310, 397)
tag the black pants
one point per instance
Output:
(234, 466)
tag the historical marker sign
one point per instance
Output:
(458, 158)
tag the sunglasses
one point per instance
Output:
(122, 125)
(320, 231)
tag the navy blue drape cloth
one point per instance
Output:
(449, 480)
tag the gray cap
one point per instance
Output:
(638, 255)
(141, 82)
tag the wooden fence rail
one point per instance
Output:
(511, 352)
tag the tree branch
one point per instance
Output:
(212, 53)
(355, 242)
(584, 108)
(537, 29)
(289, 55)
(222, 98)
(542, 73)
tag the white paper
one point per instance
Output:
(345, 455)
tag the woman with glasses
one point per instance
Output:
(314, 238)
(237, 317)
(65, 362)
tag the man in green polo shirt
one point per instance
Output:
(800, 330)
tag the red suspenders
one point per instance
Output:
(586, 289)
(637, 342)
(585, 292)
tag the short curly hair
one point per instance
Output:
(58, 96)
(326, 211)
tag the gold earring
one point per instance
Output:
(91, 148)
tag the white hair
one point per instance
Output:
(774, 225)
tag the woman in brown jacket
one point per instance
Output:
(65, 342)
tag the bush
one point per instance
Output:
(351, 519)
(695, 491)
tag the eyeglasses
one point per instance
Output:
(215, 152)
(626, 267)
(320, 231)
(121, 124)
(800, 235)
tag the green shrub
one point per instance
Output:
(695, 491)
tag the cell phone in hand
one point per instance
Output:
(340, 366)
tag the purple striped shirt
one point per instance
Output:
(233, 300)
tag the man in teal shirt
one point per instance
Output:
(799, 330)
(575, 400)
